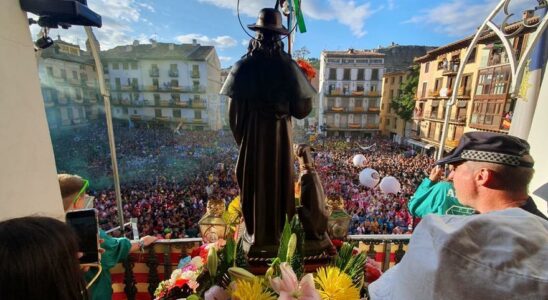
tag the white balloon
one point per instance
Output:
(390, 185)
(369, 178)
(358, 160)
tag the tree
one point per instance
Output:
(301, 53)
(404, 104)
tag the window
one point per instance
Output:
(64, 74)
(134, 65)
(197, 114)
(437, 84)
(472, 57)
(125, 110)
(115, 66)
(177, 113)
(332, 74)
(465, 86)
(117, 83)
(125, 65)
(158, 113)
(391, 94)
(157, 99)
(450, 82)
(393, 79)
(361, 75)
(426, 67)
(374, 74)
(49, 70)
(346, 74)
(134, 82)
(493, 81)
(432, 130)
(423, 92)
(401, 79)
(155, 82)
(176, 97)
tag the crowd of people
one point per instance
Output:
(167, 177)
(372, 211)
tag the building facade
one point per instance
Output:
(483, 98)
(391, 124)
(438, 69)
(167, 83)
(350, 86)
(69, 85)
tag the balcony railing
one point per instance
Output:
(433, 93)
(374, 109)
(138, 276)
(464, 93)
(451, 69)
(198, 104)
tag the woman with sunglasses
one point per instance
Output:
(73, 192)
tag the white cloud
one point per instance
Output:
(147, 6)
(391, 4)
(345, 12)
(220, 42)
(247, 8)
(245, 42)
(460, 18)
(225, 58)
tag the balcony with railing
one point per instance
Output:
(373, 109)
(198, 104)
(451, 69)
(138, 276)
(464, 93)
(433, 93)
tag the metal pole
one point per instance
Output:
(456, 84)
(108, 116)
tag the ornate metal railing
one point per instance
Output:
(138, 276)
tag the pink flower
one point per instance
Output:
(289, 287)
(216, 293)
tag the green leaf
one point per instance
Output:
(229, 251)
(193, 297)
(284, 240)
(297, 261)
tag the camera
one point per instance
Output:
(64, 13)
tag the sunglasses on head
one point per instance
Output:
(81, 192)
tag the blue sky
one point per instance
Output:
(331, 24)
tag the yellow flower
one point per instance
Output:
(335, 284)
(251, 290)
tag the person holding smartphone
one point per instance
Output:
(73, 192)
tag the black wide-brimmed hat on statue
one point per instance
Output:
(269, 19)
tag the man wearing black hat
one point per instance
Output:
(266, 88)
(497, 254)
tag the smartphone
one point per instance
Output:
(85, 224)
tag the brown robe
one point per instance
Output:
(265, 93)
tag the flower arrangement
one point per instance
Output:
(307, 69)
(216, 271)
